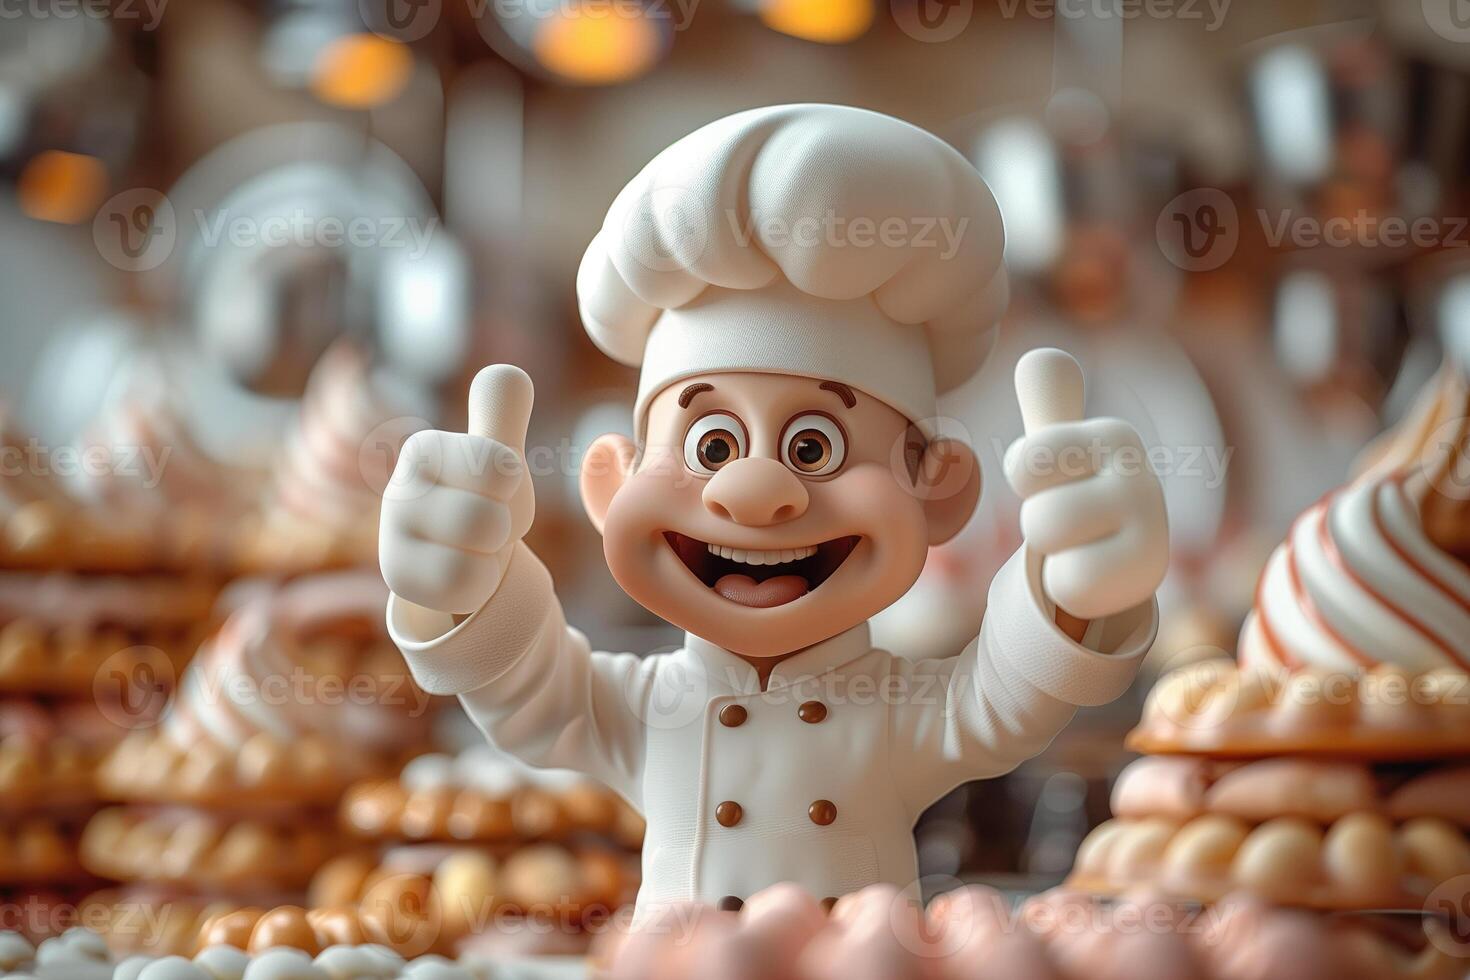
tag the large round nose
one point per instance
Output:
(756, 491)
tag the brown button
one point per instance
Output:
(730, 904)
(822, 812)
(729, 813)
(812, 712)
(733, 715)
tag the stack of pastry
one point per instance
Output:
(476, 851)
(881, 933)
(98, 612)
(1330, 767)
(232, 799)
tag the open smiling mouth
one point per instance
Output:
(761, 579)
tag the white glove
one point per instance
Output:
(1091, 502)
(459, 502)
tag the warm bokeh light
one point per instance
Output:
(824, 21)
(62, 187)
(598, 49)
(360, 71)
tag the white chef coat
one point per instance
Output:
(842, 731)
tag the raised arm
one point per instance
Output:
(474, 611)
(1072, 613)
(1017, 685)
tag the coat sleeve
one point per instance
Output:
(1005, 698)
(529, 681)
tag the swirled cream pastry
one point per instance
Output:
(1379, 571)
(1359, 582)
(297, 694)
(328, 482)
(146, 460)
(42, 525)
(1434, 441)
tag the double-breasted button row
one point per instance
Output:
(811, 712)
(821, 812)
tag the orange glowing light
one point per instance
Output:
(359, 71)
(62, 187)
(598, 48)
(823, 21)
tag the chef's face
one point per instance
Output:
(769, 512)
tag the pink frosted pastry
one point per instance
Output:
(980, 937)
(974, 934)
(671, 942)
(875, 934)
(1245, 940)
(1142, 937)
(778, 923)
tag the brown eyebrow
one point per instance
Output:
(687, 395)
(841, 391)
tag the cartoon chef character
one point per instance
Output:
(797, 283)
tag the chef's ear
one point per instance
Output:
(947, 481)
(605, 468)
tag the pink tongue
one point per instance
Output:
(762, 595)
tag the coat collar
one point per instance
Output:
(813, 661)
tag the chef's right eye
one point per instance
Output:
(712, 441)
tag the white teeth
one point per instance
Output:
(750, 556)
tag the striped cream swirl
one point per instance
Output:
(260, 672)
(1359, 582)
(339, 455)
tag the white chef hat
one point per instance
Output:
(819, 240)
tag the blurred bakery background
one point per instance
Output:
(246, 248)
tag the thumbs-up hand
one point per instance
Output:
(459, 502)
(1091, 503)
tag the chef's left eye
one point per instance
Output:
(813, 445)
